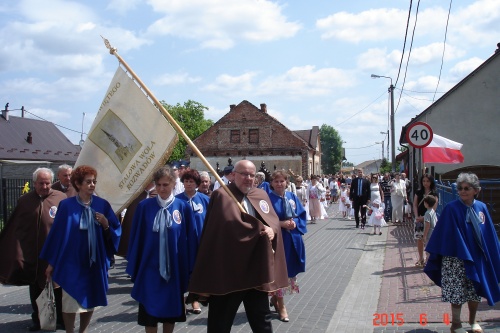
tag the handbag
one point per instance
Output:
(47, 307)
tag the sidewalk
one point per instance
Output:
(355, 282)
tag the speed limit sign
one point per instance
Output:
(419, 135)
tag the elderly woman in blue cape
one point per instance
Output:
(82, 241)
(465, 254)
(293, 222)
(198, 202)
(161, 255)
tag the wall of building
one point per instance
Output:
(470, 115)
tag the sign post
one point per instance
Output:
(419, 135)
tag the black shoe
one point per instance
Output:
(60, 326)
(35, 328)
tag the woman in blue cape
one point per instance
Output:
(293, 222)
(83, 239)
(465, 254)
(198, 202)
(161, 255)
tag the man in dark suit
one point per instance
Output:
(63, 176)
(359, 196)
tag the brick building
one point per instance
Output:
(247, 132)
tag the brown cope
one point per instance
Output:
(235, 253)
(22, 239)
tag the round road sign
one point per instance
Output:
(419, 134)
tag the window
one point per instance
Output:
(235, 136)
(253, 135)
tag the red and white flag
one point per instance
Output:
(442, 150)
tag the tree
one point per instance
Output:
(191, 118)
(331, 148)
(385, 166)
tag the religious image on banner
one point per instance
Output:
(114, 137)
(127, 142)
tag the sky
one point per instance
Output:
(309, 61)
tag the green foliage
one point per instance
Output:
(331, 147)
(348, 164)
(385, 166)
(191, 118)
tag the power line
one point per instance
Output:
(409, 53)
(444, 49)
(364, 146)
(360, 110)
(69, 129)
(421, 92)
(404, 43)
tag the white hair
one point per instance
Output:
(39, 170)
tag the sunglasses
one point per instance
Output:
(465, 188)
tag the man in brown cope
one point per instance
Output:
(23, 237)
(240, 256)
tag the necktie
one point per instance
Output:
(88, 222)
(360, 187)
(474, 219)
(163, 221)
(287, 208)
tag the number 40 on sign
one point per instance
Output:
(419, 135)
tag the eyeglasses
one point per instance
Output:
(91, 181)
(465, 188)
(246, 175)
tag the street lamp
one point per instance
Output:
(385, 133)
(382, 147)
(393, 142)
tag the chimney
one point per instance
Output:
(29, 138)
(22, 111)
(5, 113)
(231, 107)
(263, 107)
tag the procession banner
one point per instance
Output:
(129, 140)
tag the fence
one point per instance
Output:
(489, 194)
(12, 189)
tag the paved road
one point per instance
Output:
(352, 278)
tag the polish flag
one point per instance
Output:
(442, 150)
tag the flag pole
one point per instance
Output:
(114, 51)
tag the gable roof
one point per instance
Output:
(262, 112)
(309, 136)
(402, 138)
(367, 163)
(48, 142)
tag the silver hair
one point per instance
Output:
(64, 167)
(261, 175)
(469, 178)
(47, 170)
(204, 174)
(162, 172)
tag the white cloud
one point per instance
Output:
(306, 81)
(122, 6)
(228, 84)
(371, 25)
(220, 23)
(175, 79)
(464, 68)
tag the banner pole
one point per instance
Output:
(114, 51)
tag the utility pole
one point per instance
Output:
(393, 135)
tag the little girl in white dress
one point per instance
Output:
(377, 217)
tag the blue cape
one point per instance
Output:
(201, 201)
(453, 237)
(295, 252)
(67, 250)
(265, 186)
(161, 298)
